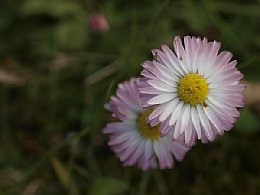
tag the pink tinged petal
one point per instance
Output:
(133, 96)
(229, 102)
(215, 130)
(165, 128)
(221, 104)
(168, 110)
(213, 133)
(177, 129)
(181, 54)
(130, 103)
(179, 149)
(193, 138)
(135, 93)
(153, 162)
(159, 153)
(185, 119)
(225, 67)
(160, 77)
(229, 90)
(136, 154)
(155, 148)
(227, 125)
(231, 77)
(179, 49)
(223, 72)
(120, 138)
(222, 60)
(159, 99)
(235, 113)
(119, 149)
(189, 51)
(161, 86)
(147, 64)
(148, 152)
(132, 146)
(165, 149)
(110, 107)
(120, 116)
(235, 100)
(225, 82)
(188, 134)
(147, 74)
(108, 129)
(157, 111)
(154, 122)
(174, 65)
(194, 55)
(212, 56)
(150, 90)
(195, 121)
(171, 76)
(176, 113)
(222, 112)
(111, 127)
(203, 57)
(205, 123)
(178, 126)
(129, 143)
(144, 164)
(163, 73)
(213, 118)
(155, 53)
(204, 138)
(121, 107)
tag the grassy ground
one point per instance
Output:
(55, 76)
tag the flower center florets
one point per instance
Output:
(192, 89)
(145, 129)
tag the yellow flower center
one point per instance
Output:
(145, 129)
(193, 89)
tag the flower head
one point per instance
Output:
(97, 23)
(132, 139)
(195, 89)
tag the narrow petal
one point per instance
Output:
(159, 99)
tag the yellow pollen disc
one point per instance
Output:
(193, 89)
(145, 129)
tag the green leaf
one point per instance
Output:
(251, 68)
(64, 176)
(56, 8)
(248, 122)
(70, 34)
(107, 186)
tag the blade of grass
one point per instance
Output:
(64, 175)
(238, 8)
(45, 158)
(225, 29)
(159, 180)
(143, 183)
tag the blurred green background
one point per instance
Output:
(56, 72)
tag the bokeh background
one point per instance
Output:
(61, 60)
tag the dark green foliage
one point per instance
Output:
(54, 88)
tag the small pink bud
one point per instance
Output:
(97, 22)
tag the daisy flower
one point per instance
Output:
(132, 139)
(195, 89)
